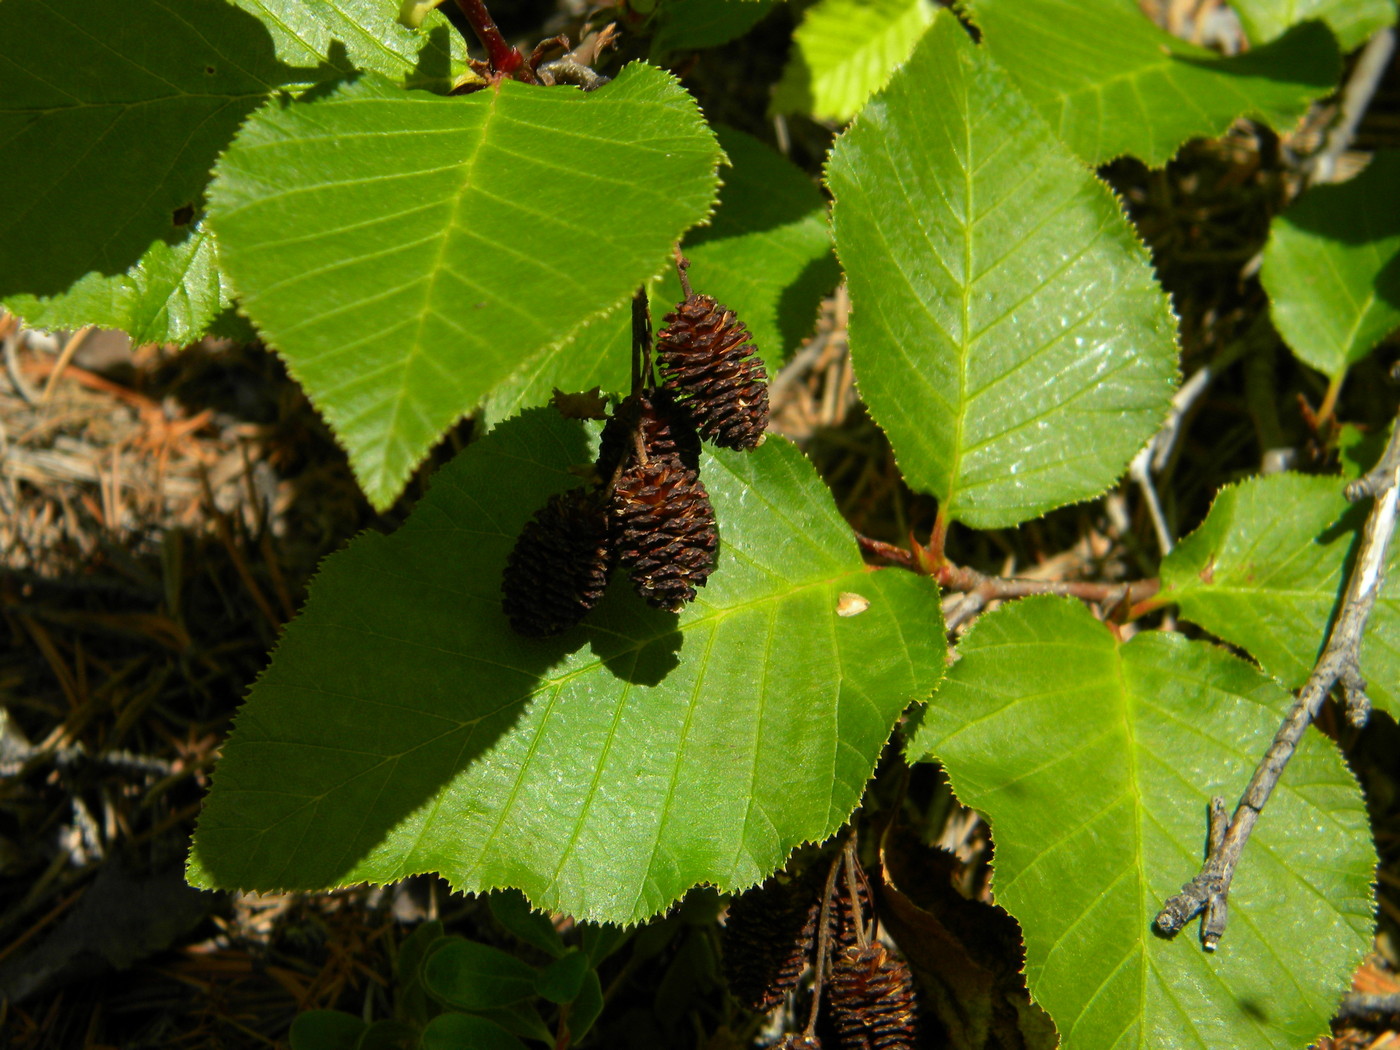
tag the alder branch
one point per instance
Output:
(992, 588)
(1339, 664)
(1356, 99)
(504, 59)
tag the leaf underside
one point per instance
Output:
(1265, 572)
(1110, 82)
(1094, 762)
(1332, 267)
(403, 727)
(1006, 330)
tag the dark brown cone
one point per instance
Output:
(559, 566)
(871, 994)
(768, 938)
(664, 530)
(707, 362)
(665, 431)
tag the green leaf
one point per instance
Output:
(1332, 267)
(1110, 82)
(388, 1034)
(1094, 762)
(600, 940)
(1351, 21)
(522, 1019)
(1265, 571)
(405, 252)
(690, 25)
(536, 928)
(403, 727)
(766, 254)
(325, 1030)
(414, 949)
(411, 1002)
(456, 1031)
(341, 36)
(474, 976)
(1006, 328)
(597, 354)
(587, 1007)
(561, 980)
(119, 112)
(171, 295)
(844, 51)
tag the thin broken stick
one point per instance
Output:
(1339, 664)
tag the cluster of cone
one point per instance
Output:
(771, 939)
(648, 510)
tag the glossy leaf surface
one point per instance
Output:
(1095, 762)
(1332, 267)
(845, 50)
(1006, 329)
(403, 727)
(1265, 572)
(405, 252)
(1110, 82)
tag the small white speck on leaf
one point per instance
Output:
(849, 604)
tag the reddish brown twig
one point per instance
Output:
(991, 588)
(505, 60)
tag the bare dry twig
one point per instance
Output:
(1339, 665)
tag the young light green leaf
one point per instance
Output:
(844, 51)
(1351, 21)
(403, 727)
(1006, 328)
(117, 149)
(1094, 762)
(1265, 571)
(1332, 267)
(1110, 82)
(766, 255)
(405, 252)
